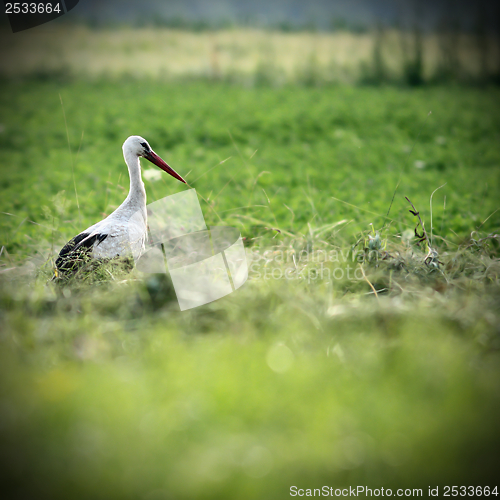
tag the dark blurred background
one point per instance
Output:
(293, 14)
(273, 42)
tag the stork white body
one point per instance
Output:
(126, 226)
(122, 233)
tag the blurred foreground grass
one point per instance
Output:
(108, 391)
(271, 387)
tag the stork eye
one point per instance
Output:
(145, 145)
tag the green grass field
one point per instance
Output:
(388, 380)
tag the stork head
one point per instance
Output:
(138, 146)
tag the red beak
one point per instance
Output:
(154, 158)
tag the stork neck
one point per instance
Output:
(137, 193)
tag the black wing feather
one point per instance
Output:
(77, 251)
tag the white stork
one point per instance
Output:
(122, 233)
